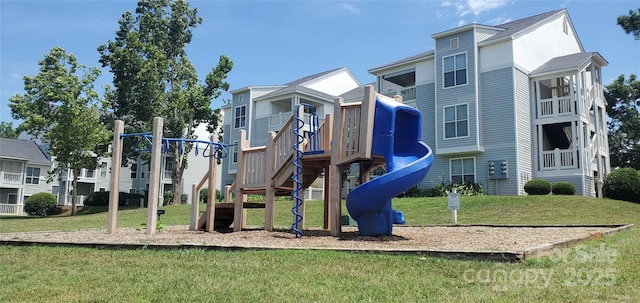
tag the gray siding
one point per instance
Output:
(260, 129)
(499, 134)
(524, 133)
(463, 94)
(484, 33)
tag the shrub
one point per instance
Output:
(563, 188)
(167, 197)
(204, 195)
(40, 204)
(537, 187)
(444, 188)
(101, 198)
(623, 184)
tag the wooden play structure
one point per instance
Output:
(344, 138)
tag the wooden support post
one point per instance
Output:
(154, 176)
(335, 173)
(116, 162)
(326, 145)
(211, 198)
(270, 193)
(238, 217)
(195, 206)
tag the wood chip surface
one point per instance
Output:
(438, 238)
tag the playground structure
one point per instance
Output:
(375, 132)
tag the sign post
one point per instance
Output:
(454, 205)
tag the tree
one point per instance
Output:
(7, 130)
(153, 77)
(623, 107)
(631, 23)
(60, 107)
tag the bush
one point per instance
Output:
(623, 184)
(204, 195)
(101, 198)
(537, 187)
(167, 197)
(40, 204)
(563, 188)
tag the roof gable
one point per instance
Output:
(315, 85)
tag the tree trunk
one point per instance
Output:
(176, 178)
(74, 192)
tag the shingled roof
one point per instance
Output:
(22, 150)
(568, 62)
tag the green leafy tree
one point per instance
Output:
(60, 106)
(623, 108)
(631, 23)
(153, 77)
(7, 130)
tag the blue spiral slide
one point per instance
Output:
(396, 137)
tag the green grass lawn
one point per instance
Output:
(607, 270)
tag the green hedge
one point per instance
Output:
(537, 187)
(563, 188)
(101, 198)
(623, 184)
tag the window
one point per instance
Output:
(33, 175)
(240, 116)
(55, 190)
(565, 26)
(456, 121)
(455, 70)
(462, 170)
(234, 154)
(134, 170)
(103, 169)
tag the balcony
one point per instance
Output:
(10, 178)
(11, 209)
(408, 94)
(558, 159)
(555, 107)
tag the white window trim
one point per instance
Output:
(466, 70)
(235, 117)
(463, 172)
(444, 122)
(234, 152)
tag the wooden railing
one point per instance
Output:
(255, 166)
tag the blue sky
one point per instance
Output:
(274, 42)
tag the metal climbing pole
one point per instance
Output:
(301, 132)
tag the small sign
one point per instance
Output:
(454, 201)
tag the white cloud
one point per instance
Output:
(477, 7)
(350, 8)
(461, 23)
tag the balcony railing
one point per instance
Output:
(11, 178)
(554, 107)
(558, 159)
(10, 209)
(407, 93)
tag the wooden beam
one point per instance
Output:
(154, 176)
(116, 162)
(240, 180)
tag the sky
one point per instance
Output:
(275, 42)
